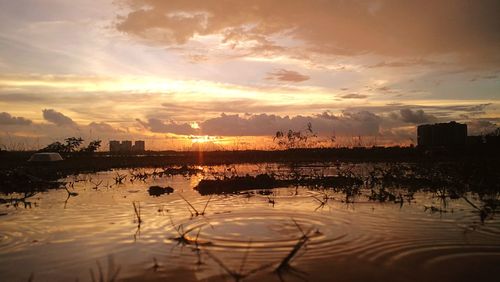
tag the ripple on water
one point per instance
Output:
(270, 235)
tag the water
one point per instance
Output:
(245, 235)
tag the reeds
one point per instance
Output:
(194, 212)
(119, 178)
(240, 274)
(137, 211)
(285, 262)
(182, 238)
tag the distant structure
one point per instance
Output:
(139, 146)
(126, 146)
(450, 134)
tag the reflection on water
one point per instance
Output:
(290, 233)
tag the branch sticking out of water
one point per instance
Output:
(196, 212)
(96, 184)
(238, 275)
(285, 263)
(119, 178)
(137, 211)
(182, 239)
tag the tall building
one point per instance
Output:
(139, 146)
(126, 146)
(114, 146)
(442, 135)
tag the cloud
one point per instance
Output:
(405, 63)
(484, 77)
(286, 75)
(360, 123)
(58, 118)
(7, 119)
(353, 96)
(479, 127)
(467, 29)
(103, 127)
(348, 123)
(415, 117)
(21, 97)
(159, 126)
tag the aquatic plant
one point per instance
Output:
(157, 191)
(240, 274)
(96, 184)
(119, 178)
(193, 210)
(284, 265)
(182, 238)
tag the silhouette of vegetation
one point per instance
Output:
(240, 274)
(284, 266)
(295, 139)
(194, 212)
(72, 145)
(268, 181)
(158, 190)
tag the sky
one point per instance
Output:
(226, 74)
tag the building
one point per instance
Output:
(139, 146)
(126, 146)
(450, 134)
(114, 146)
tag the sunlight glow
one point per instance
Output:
(203, 139)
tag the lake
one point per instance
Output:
(97, 227)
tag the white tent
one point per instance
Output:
(45, 157)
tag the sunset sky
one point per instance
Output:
(170, 71)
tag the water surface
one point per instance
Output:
(56, 236)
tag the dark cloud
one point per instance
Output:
(360, 123)
(287, 76)
(7, 119)
(354, 96)
(440, 111)
(159, 126)
(348, 123)
(468, 29)
(415, 117)
(58, 118)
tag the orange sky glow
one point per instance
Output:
(223, 75)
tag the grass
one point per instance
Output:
(240, 274)
(137, 212)
(183, 239)
(119, 178)
(194, 212)
(301, 243)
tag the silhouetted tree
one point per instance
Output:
(92, 147)
(72, 145)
